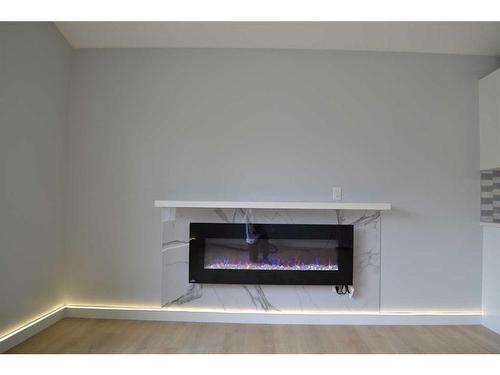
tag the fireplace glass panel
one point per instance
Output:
(271, 254)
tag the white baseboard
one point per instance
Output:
(96, 312)
(273, 317)
(32, 328)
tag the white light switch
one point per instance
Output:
(337, 193)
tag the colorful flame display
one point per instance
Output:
(272, 263)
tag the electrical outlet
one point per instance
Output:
(337, 193)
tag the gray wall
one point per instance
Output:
(276, 125)
(34, 84)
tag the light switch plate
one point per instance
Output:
(337, 193)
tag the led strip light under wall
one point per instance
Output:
(273, 312)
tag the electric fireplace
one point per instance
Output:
(280, 254)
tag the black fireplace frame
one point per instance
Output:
(342, 233)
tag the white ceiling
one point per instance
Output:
(468, 38)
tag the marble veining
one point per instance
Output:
(259, 298)
(364, 296)
(194, 292)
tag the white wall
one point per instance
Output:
(491, 278)
(34, 83)
(276, 125)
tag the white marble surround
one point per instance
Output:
(177, 292)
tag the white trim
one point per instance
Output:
(30, 329)
(275, 205)
(361, 318)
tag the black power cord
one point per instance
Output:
(342, 289)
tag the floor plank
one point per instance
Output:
(132, 336)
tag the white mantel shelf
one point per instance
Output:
(275, 205)
(487, 224)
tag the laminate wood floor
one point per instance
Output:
(132, 336)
